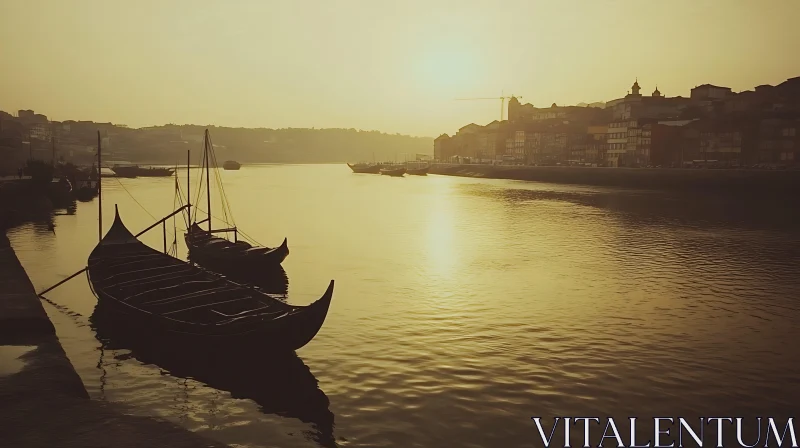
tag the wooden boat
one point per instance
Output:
(204, 248)
(192, 306)
(218, 253)
(84, 181)
(85, 190)
(231, 165)
(394, 171)
(60, 191)
(137, 171)
(365, 168)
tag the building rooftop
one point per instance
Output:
(469, 126)
(794, 82)
(703, 86)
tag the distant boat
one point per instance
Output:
(85, 191)
(137, 171)
(394, 171)
(231, 165)
(417, 170)
(83, 180)
(365, 168)
(60, 190)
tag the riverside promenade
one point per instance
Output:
(43, 402)
(744, 182)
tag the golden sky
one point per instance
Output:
(394, 66)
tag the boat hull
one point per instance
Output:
(85, 194)
(286, 335)
(219, 253)
(157, 295)
(365, 169)
(418, 172)
(393, 172)
(135, 171)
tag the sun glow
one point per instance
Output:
(448, 69)
(442, 253)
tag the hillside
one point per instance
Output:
(166, 144)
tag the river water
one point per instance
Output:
(463, 307)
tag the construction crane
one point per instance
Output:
(501, 98)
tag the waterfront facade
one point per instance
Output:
(712, 126)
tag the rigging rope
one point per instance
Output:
(223, 198)
(209, 158)
(134, 199)
(199, 187)
(179, 194)
(209, 161)
(246, 236)
(227, 201)
(174, 235)
(174, 249)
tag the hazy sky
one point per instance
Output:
(394, 66)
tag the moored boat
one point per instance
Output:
(207, 249)
(231, 165)
(417, 171)
(394, 171)
(365, 168)
(189, 305)
(84, 181)
(218, 253)
(85, 190)
(137, 171)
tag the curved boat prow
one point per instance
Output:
(117, 233)
(328, 292)
(320, 306)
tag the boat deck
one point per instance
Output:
(147, 280)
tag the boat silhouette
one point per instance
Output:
(152, 293)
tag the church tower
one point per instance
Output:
(635, 88)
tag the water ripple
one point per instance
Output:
(465, 306)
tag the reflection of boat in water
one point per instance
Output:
(156, 294)
(281, 385)
(365, 168)
(137, 171)
(231, 165)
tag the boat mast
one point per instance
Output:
(99, 189)
(188, 190)
(208, 185)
